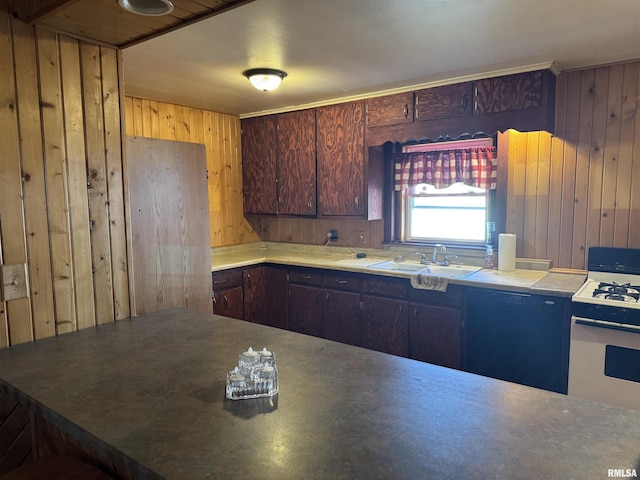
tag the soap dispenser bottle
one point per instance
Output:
(489, 261)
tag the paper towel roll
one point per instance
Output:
(507, 252)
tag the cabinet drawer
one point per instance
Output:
(305, 277)
(451, 298)
(385, 286)
(226, 279)
(346, 282)
(390, 110)
(447, 101)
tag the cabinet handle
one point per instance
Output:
(415, 314)
(248, 280)
(464, 102)
(309, 204)
(305, 277)
(406, 110)
(416, 112)
(357, 202)
(225, 301)
(326, 300)
(271, 204)
(317, 299)
(341, 282)
(220, 282)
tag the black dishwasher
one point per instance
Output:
(516, 337)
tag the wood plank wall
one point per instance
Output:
(220, 133)
(61, 182)
(581, 187)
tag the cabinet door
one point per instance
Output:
(447, 101)
(297, 163)
(341, 159)
(385, 325)
(341, 317)
(265, 296)
(305, 310)
(390, 110)
(259, 165)
(435, 335)
(522, 91)
(229, 303)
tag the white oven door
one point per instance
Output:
(604, 363)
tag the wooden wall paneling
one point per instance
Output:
(583, 150)
(182, 123)
(634, 201)
(167, 121)
(215, 207)
(138, 118)
(77, 182)
(527, 243)
(625, 156)
(145, 120)
(115, 187)
(596, 158)
(555, 201)
(233, 178)
(34, 187)
(516, 188)
(152, 106)
(128, 116)
(12, 227)
(97, 173)
(542, 206)
(57, 183)
(611, 149)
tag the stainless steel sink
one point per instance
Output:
(439, 270)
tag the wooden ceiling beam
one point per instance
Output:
(34, 11)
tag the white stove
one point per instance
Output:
(604, 358)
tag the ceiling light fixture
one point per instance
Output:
(151, 8)
(265, 79)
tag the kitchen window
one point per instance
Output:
(455, 214)
(444, 192)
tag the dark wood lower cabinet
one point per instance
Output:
(341, 317)
(305, 309)
(385, 325)
(435, 335)
(229, 303)
(265, 295)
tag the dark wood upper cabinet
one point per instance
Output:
(444, 102)
(259, 165)
(390, 109)
(296, 165)
(341, 166)
(521, 91)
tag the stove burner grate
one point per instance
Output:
(614, 291)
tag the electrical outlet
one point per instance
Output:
(362, 237)
(332, 235)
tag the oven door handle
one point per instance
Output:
(604, 324)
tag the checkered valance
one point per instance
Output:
(476, 166)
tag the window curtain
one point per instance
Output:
(476, 166)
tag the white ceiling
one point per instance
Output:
(339, 49)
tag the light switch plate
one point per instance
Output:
(14, 281)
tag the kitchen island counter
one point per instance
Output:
(147, 395)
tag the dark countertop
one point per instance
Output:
(150, 392)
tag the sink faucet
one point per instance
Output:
(423, 258)
(439, 248)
